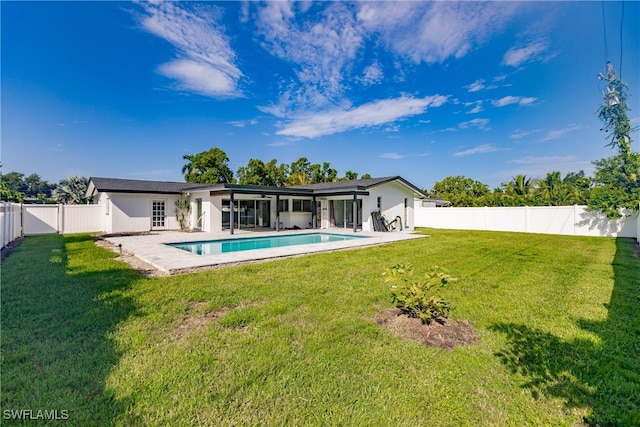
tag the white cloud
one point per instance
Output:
(372, 74)
(559, 133)
(477, 107)
(508, 100)
(243, 123)
(319, 45)
(313, 125)
(433, 32)
(480, 149)
(205, 62)
(393, 156)
(543, 160)
(479, 123)
(516, 56)
(518, 134)
(475, 86)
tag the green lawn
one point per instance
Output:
(292, 342)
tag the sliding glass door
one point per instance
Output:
(246, 213)
(341, 214)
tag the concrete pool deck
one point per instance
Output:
(152, 248)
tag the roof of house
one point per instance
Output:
(363, 184)
(358, 186)
(117, 185)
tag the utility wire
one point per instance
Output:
(621, 21)
(604, 30)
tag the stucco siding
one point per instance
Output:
(132, 212)
(393, 197)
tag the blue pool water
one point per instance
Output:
(247, 244)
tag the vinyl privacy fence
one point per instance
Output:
(17, 220)
(10, 222)
(567, 220)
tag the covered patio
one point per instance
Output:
(355, 193)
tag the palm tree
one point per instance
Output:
(520, 189)
(72, 190)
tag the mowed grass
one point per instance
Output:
(293, 342)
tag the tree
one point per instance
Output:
(349, 176)
(258, 173)
(518, 191)
(72, 190)
(324, 173)
(461, 191)
(617, 178)
(36, 187)
(14, 181)
(207, 167)
(9, 195)
(617, 185)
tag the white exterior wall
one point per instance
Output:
(393, 204)
(206, 210)
(567, 220)
(132, 212)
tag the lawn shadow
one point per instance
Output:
(61, 303)
(602, 376)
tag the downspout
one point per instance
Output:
(355, 213)
(277, 212)
(231, 215)
(314, 213)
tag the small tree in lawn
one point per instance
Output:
(416, 296)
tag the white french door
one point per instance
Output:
(158, 214)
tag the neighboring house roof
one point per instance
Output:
(358, 186)
(435, 201)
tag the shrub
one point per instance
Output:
(416, 297)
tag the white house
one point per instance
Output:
(134, 206)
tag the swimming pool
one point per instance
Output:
(212, 247)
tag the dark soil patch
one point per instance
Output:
(447, 335)
(134, 262)
(8, 250)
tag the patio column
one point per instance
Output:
(355, 213)
(231, 215)
(314, 213)
(277, 212)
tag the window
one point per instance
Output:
(379, 204)
(284, 205)
(300, 205)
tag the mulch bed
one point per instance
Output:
(445, 335)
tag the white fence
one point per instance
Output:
(569, 220)
(29, 220)
(10, 223)
(51, 219)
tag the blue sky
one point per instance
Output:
(424, 90)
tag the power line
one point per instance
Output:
(604, 31)
(621, 21)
